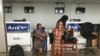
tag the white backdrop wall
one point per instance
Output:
(44, 13)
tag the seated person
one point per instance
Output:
(40, 40)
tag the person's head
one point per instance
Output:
(43, 28)
(59, 24)
(24, 19)
(64, 18)
(39, 26)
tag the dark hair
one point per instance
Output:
(38, 25)
(64, 18)
(58, 23)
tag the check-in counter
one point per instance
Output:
(18, 33)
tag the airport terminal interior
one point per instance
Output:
(49, 27)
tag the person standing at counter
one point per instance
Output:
(58, 32)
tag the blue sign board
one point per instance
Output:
(17, 27)
(73, 26)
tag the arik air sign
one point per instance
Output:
(17, 27)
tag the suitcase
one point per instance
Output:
(16, 50)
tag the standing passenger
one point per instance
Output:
(39, 38)
(58, 32)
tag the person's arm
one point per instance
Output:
(67, 30)
(43, 35)
(35, 34)
(55, 32)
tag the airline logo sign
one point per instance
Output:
(17, 27)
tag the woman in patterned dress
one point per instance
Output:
(58, 32)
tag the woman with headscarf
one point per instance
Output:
(58, 32)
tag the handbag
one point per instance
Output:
(68, 38)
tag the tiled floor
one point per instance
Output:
(97, 51)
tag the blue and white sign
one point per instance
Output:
(18, 33)
(73, 26)
(17, 27)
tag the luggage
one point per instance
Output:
(51, 38)
(16, 50)
(68, 37)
